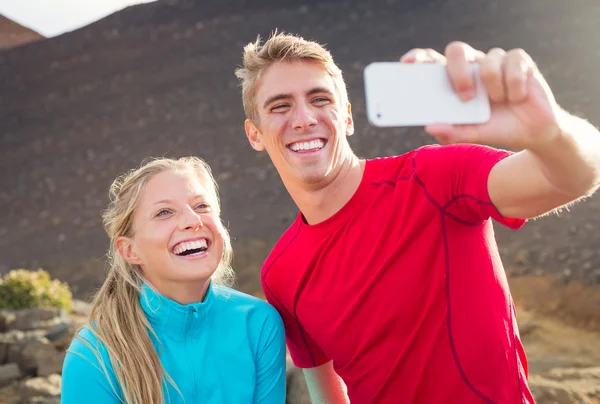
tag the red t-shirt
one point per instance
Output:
(403, 288)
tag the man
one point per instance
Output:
(389, 282)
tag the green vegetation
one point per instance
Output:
(21, 289)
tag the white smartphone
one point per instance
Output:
(403, 94)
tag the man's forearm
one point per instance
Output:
(571, 161)
(325, 386)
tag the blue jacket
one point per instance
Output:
(230, 348)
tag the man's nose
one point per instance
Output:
(304, 118)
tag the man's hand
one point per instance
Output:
(559, 160)
(524, 113)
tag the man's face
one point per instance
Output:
(302, 123)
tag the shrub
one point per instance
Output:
(21, 289)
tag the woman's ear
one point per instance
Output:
(126, 249)
(253, 135)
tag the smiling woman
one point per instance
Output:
(164, 324)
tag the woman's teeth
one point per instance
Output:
(191, 247)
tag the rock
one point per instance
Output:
(555, 393)
(297, 393)
(4, 352)
(61, 334)
(7, 317)
(10, 394)
(81, 308)
(566, 386)
(36, 358)
(6, 340)
(9, 373)
(527, 327)
(41, 388)
(43, 400)
(36, 318)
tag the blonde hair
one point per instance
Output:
(117, 318)
(281, 47)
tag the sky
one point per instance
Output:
(54, 17)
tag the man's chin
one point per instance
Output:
(313, 177)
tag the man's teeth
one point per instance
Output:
(312, 145)
(190, 245)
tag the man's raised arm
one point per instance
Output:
(559, 161)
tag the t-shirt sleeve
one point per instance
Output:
(455, 178)
(270, 359)
(304, 351)
(83, 377)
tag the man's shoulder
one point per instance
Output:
(440, 153)
(432, 156)
(400, 163)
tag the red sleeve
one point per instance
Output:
(456, 179)
(305, 353)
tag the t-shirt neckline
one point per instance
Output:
(345, 213)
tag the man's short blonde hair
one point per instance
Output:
(281, 47)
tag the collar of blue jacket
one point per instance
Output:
(168, 317)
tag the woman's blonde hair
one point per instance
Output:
(117, 318)
(281, 47)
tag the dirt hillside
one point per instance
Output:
(13, 34)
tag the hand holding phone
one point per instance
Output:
(402, 94)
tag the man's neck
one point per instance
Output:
(320, 203)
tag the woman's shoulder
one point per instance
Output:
(86, 345)
(87, 371)
(234, 301)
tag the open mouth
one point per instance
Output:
(307, 147)
(189, 248)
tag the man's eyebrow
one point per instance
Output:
(276, 97)
(312, 91)
(317, 90)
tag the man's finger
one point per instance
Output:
(459, 57)
(491, 71)
(450, 134)
(518, 67)
(419, 55)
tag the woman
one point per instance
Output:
(163, 327)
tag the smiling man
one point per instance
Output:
(389, 282)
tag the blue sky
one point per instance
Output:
(54, 17)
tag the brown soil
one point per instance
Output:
(13, 34)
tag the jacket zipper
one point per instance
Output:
(189, 331)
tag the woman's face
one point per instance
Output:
(178, 235)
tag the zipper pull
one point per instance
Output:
(195, 312)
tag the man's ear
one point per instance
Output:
(254, 136)
(127, 250)
(349, 122)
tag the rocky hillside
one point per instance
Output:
(13, 34)
(157, 80)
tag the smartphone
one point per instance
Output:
(403, 94)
